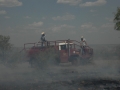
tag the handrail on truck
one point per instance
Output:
(54, 43)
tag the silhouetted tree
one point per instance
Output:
(117, 19)
(5, 46)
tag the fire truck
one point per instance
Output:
(69, 51)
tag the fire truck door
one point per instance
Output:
(63, 53)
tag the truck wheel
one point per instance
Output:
(31, 62)
(74, 60)
(57, 60)
(91, 59)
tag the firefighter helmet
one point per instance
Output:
(81, 36)
(43, 33)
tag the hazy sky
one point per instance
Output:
(24, 20)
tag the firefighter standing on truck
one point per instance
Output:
(83, 44)
(43, 41)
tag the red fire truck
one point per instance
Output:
(69, 51)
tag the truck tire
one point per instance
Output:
(74, 60)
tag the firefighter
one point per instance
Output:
(83, 44)
(43, 41)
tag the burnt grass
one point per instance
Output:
(84, 77)
(78, 84)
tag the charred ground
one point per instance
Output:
(101, 74)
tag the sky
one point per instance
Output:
(25, 20)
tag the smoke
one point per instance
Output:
(22, 72)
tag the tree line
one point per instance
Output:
(117, 19)
(5, 46)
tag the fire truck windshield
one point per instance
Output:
(63, 47)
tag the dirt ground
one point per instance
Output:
(98, 75)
